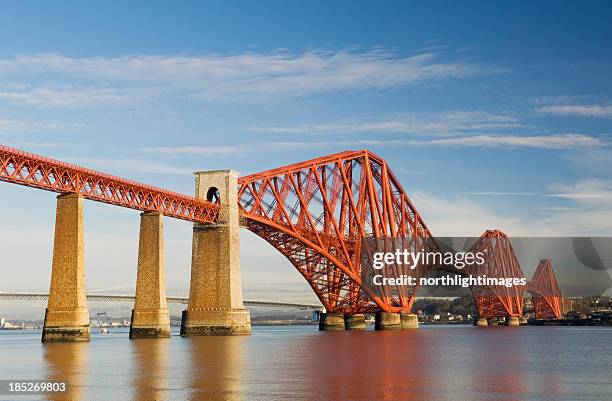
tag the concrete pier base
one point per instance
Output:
(493, 321)
(523, 321)
(387, 321)
(215, 292)
(481, 322)
(409, 321)
(354, 321)
(150, 318)
(331, 321)
(67, 316)
(512, 321)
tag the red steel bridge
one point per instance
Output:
(316, 214)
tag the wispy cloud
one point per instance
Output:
(563, 141)
(560, 142)
(60, 97)
(443, 123)
(591, 110)
(214, 77)
(493, 193)
(129, 164)
(11, 125)
(463, 216)
(585, 191)
(197, 150)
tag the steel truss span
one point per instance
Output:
(317, 212)
(43, 173)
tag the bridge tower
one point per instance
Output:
(215, 294)
(67, 317)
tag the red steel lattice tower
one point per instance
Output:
(500, 262)
(545, 293)
(317, 213)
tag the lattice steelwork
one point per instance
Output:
(317, 212)
(40, 172)
(500, 262)
(545, 293)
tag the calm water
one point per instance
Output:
(301, 363)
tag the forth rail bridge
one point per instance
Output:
(316, 213)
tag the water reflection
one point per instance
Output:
(67, 362)
(216, 368)
(341, 366)
(500, 363)
(150, 369)
(369, 365)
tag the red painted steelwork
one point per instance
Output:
(317, 212)
(35, 171)
(545, 293)
(500, 262)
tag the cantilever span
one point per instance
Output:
(317, 212)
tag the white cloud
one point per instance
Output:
(591, 110)
(129, 164)
(11, 125)
(197, 150)
(493, 193)
(461, 216)
(562, 141)
(444, 123)
(61, 97)
(587, 191)
(214, 77)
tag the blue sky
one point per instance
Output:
(492, 114)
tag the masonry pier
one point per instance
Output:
(387, 321)
(354, 321)
(150, 318)
(215, 294)
(512, 321)
(409, 321)
(66, 316)
(331, 321)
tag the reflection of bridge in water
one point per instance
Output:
(316, 213)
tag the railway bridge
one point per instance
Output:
(316, 213)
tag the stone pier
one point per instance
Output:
(387, 321)
(512, 321)
(354, 321)
(331, 321)
(481, 322)
(67, 317)
(409, 321)
(215, 294)
(150, 318)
